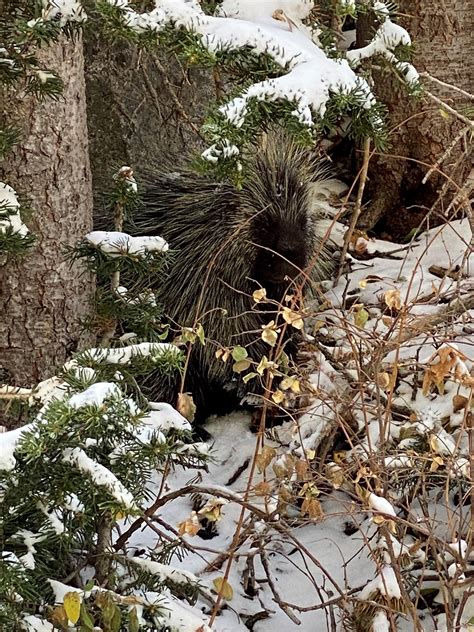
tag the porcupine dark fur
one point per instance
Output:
(233, 241)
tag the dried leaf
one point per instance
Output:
(265, 457)
(302, 469)
(186, 406)
(223, 588)
(335, 474)
(191, 526)
(312, 507)
(292, 318)
(459, 402)
(436, 463)
(259, 295)
(284, 466)
(383, 380)
(270, 333)
(393, 300)
(263, 489)
(278, 396)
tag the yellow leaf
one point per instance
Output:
(290, 383)
(340, 456)
(241, 366)
(223, 588)
(72, 606)
(267, 365)
(393, 300)
(361, 316)
(383, 380)
(362, 284)
(259, 295)
(292, 318)
(436, 462)
(270, 333)
(278, 396)
(212, 510)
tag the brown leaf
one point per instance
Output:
(186, 406)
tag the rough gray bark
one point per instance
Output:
(42, 297)
(144, 110)
(444, 48)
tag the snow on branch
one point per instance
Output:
(100, 475)
(124, 355)
(311, 79)
(62, 10)
(117, 244)
(387, 37)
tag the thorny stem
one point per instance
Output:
(449, 109)
(450, 86)
(357, 207)
(236, 538)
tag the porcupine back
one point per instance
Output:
(227, 243)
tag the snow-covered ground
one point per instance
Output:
(311, 562)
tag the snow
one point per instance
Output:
(164, 417)
(64, 10)
(176, 615)
(29, 540)
(311, 78)
(11, 220)
(33, 624)
(53, 519)
(381, 505)
(95, 395)
(61, 590)
(124, 355)
(117, 244)
(165, 571)
(100, 475)
(250, 10)
(8, 443)
(380, 622)
(385, 583)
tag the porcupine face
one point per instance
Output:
(282, 249)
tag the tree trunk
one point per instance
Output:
(43, 297)
(444, 48)
(154, 109)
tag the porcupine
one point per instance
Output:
(229, 242)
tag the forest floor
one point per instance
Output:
(378, 536)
